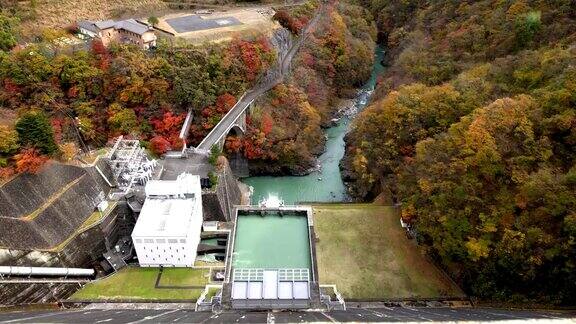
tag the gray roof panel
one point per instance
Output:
(105, 24)
(132, 25)
(88, 25)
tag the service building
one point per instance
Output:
(168, 228)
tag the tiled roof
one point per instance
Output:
(105, 24)
(88, 25)
(132, 25)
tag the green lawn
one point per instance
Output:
(364, 251)
(184, 277)
(133, 283)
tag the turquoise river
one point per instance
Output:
(324, 185)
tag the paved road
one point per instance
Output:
(274, 76)
(387, 314)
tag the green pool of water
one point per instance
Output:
(271, 242)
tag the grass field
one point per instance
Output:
(134, 283)
(364, 251)
(184, 277)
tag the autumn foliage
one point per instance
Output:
(159, 145)
(472, 132)
(295, 18)
(29, 161)
(102, 92)
(284, 18)
(254, 55)
(284, 133)
(168, 127)
(210, 116)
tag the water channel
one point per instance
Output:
(324, 185)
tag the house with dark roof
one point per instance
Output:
(127, 31)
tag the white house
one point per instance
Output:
(168, 229)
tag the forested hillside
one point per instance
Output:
(473, 131)
(284, 131)
(65, 97)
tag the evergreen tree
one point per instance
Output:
(34, 130)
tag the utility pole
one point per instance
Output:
(80, 139)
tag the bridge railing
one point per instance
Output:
(231, 111)
(186, 125)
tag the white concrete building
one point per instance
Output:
(168, 229)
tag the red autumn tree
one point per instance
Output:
(159, 145)
(251, 59)
(283, 17)
(233, 144)
(57, 127)
(176, 142)
(98, 47)
(168, 127)
(224, 102)
(207, 112)
(11, 87)
(168, 124)
(30, 161)
(267, 124)
(101, 52)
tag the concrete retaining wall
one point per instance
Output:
(218, 203)
(81, 251)
(41, 211)
(27, 192)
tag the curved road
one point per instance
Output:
(274, 76)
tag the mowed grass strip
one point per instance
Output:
(364, 251)
(133, 283)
